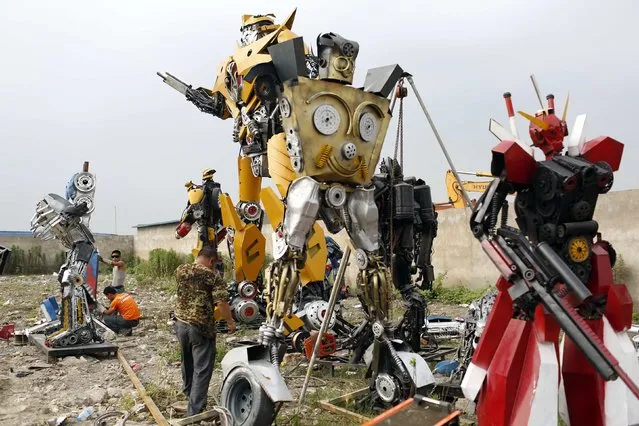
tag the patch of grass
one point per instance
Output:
(171, 354)
(452, 295)
(635, 317)
(127, 402)
(322, 394)
(162, 263)
(220, 350)
(32, 261)
(163, 396)
(620, 272)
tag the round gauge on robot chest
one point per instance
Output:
(326, 119)
(578, 249)
(368, 127)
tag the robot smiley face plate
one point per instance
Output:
(340, 129)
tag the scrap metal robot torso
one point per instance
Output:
(408, 226)
(556, 273)
(319, 139)
(67, 220)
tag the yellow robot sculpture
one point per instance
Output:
(246, 91)
(299, 120)
(203, 209)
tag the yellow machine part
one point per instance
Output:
(220, 87)
(578, 249)
(291, 323)
(200, 243)
(256, 53)
(454, 192)
(279, 163)
(316, 253)
(249, 244)
(195, 195)
(250, 185)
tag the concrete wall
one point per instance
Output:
(148, 238)
(459, 255)
(456, 252)
(104, 242)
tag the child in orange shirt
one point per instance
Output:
(123, 314)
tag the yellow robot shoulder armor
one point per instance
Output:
(195, 195)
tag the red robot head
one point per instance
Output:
(546, 130)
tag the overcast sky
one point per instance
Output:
(77, 82)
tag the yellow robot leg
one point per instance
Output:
(250, 185)
(316, 253)
(249, 245)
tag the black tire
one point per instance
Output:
(243, 396)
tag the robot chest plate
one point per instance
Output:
(333, 132)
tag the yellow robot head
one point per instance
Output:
(255, 27)
(207, 174)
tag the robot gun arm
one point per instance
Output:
(205, 100)
(533, 272)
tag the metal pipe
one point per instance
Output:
(337, 284)
(511, 114)
(565, 273)
(479, 174)
(439, 139)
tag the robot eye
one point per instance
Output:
(326, 119)
(368, 127)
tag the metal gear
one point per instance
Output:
(386, 387)
(378, 329)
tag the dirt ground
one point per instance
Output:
(33, 392)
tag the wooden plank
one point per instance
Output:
(330, 405)
(207, 415)
(153, 409)
(343, 411)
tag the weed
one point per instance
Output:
(162, 396)
(161, 263)
(452, 295)
(172, 353)
(32, 261)
(220, 351)
(620, 272)
(127, 402)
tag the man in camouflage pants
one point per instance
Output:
(200, 288)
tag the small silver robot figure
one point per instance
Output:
(67, 221)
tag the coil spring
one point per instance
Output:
(274, 355)
(323, 156)
(495, 206)
(363, 167)
(347, 217)
(397, 361)
(504, 213)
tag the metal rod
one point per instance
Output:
(534, 82)
(439, 139)
(479, 174)
(337, 284)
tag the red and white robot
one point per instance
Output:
(556, 274)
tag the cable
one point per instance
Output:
(99, 421)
